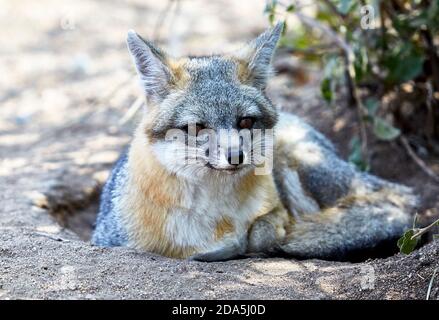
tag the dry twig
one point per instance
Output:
(421, 231)
(430, 285)
(421, 164)
(135, 106)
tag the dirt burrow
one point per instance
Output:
(41, 259)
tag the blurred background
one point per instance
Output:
(365, 73)
(59, 56)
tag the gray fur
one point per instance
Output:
(216, 98)
(262, 237)
(360, 225)
(259, 54)
(150, 65)
(326, 182)
(109, 231)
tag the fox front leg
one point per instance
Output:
(264, 236)
(268, 231)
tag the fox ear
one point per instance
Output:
(257, 57)
(151, 66)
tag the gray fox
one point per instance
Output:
(312, 204)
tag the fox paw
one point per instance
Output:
(231, 250)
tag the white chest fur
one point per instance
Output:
(205, 205)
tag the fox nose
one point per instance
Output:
(235, 157)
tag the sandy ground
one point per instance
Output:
(66, 81)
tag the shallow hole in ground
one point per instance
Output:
(79, 218)
(74, 205)
(76, 209)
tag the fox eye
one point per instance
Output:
(246, 123)
(183, 128)
(199, 127)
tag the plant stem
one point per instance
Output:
(424, 230)
(418, 160)
(334, 9)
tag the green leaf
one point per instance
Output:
(271, 18)
(333, 74)
(400, 243)
(325, 88)
(404, 26)
(270, 6)
(345, 6)
(433, 16)
(291, 8)
(406, 244)
(383, 130)
(404, 63)
(356, 155)
(284, 29)
(419, 21)
(409, 68)
(361, 62)
(372, 105)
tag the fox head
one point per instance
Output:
(206, 115)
